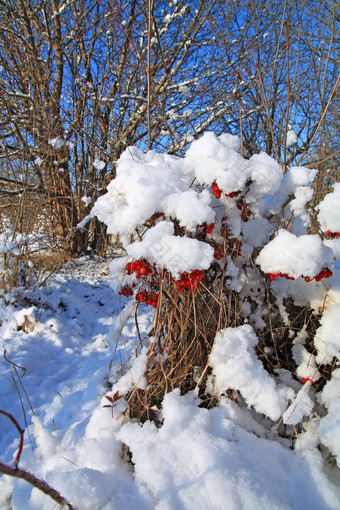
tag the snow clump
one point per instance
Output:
(296, 256)
(236, 366)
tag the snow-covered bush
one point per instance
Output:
(219, 245)
(14, 269)
(25, 256)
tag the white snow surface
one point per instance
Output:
(70, 343)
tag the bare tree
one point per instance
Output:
(77, 87)
(80, 80)
(284, 60)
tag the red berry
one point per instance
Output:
(217, 254)
(233, 194)
(216, 190)
(331, 234)
(305, 379)
(326, 273)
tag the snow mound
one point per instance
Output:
(236, 366)
(196, 460)
(296, 256)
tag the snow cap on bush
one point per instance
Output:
(295, 177)
(176, 254)
(266, 175)
(296, 183)
(190, 208)
(215, 159)
(305, 255)
(142, 184)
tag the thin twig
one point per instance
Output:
(288, 101)
(149, 74)
(321, 119)
(265, 100)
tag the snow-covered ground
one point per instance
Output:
(64, 348)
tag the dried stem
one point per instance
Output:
(36, 482)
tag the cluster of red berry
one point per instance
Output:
(216, 190)
(273, 276)
(206, 228)
(325, 273)
(140, 267)
(305, 379)
(148, 298)
(209, 228)
(234, 194)
(218, 254)
(126, 291)
(189, 280)
(331, 234)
